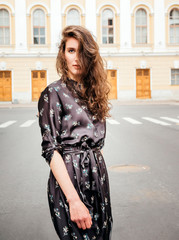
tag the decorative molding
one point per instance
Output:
(36, 4)
(73, 4)
(110, 4)
(9, 5)
(170, 5)
(138, 5)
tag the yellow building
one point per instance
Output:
(139, 39)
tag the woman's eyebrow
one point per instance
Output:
(71, 48)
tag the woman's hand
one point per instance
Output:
(79, 214)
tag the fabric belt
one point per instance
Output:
(87, 158)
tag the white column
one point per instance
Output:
(125, 24)
(90, 9)
(55, 24)
(20, 26)
(159, 24)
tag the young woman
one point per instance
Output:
(72, 113)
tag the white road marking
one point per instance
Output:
(170, 119)
(27, 123)
(156, 121)
(112, 121)
(131, 120)
(7, 124)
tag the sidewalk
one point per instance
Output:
(113, 101)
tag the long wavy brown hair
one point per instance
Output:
(93, 78)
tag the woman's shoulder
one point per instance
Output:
(54, 87)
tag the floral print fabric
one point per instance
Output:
(68, 127)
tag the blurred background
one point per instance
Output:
(139, 41)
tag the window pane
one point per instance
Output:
(39, 18)
(36, 31)
(107, 16)
(42, 31)
(177, 31)
(7, 41)
(73, 17)
(137, 35)
(7, 32)
(111, 31)
(138, 23)
(1, 21)
(141, 17)
(4, 17)
(110, 39)
(104, 40)
(110, 22)
(144, 35)
(104, 31)
(36, 40)
(42, 40)
(6, 22)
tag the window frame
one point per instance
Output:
(32, 27)
(101, 26)
(173, 69)
(169, 26)
(73, 8)
(147, 26)
(9, 27)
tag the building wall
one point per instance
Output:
(125, 56)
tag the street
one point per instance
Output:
(142, 156)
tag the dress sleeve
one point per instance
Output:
(50, 113)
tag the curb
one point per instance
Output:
(113, 101)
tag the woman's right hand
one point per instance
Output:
(79, 214)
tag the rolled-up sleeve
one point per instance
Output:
(50, 113)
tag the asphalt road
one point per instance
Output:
(143, 181)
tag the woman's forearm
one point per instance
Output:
(60, 172)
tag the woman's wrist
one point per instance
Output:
(73, 199)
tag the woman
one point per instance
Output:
(72, 113)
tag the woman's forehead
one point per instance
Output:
(72, 43)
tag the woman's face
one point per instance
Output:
(71, 56)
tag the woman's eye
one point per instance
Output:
(71, 50)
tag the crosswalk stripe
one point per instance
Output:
(170, 119)
(6, 124)
(112, 121)
(27, 123)
(156, 121)
(131, 120)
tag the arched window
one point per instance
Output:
(39, 27)
(174, 25)
(107, 26)
(4, 27)
(73, 17)
(141, 26)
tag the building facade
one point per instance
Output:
(138, 40)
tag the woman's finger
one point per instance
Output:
(88, 223)
(78, 224)
(83, 224)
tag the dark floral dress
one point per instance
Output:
(68, 127)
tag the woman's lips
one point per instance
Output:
(76, 66)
